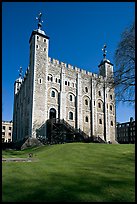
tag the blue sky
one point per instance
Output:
(77, 31)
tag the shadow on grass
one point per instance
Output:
(63, 188)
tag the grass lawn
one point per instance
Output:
(72, 172)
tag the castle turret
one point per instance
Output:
(18, 82)
(106, 70)
(105, 66)
(39, 43)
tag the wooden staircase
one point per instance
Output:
(59, 131)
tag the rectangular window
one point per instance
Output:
(9, 133)
(65, 82)
(9, 128)
(3, 127)
(3, 133)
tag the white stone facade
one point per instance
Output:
(75, 95)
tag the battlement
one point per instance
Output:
(23, 79)
(69, 66)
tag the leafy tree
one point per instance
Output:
(124, 58)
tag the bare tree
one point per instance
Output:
(124, 75)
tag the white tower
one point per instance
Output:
(106, 70)
(39, 43)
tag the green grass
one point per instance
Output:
(73, 172)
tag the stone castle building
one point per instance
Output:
(7, 131)
(53, 89)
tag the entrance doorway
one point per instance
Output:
(52, 113)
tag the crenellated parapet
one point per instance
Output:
(53, 61)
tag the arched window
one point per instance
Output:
(100, 121)
(40, 81)
(99, 105)
(111, 123)
(70, 97)
(86, 89)
(111, 107)
(86, 119)
(50, 78)
(52, 113)
(86, 102)
(70, 115)
(52, 93)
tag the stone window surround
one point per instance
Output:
(86, 89)
(50, 77)
(111, 123)
(71, 97)
(40, 80)
(86, 102)
(111, 108)
(86, 119)
(71, 116)
(100, 121)
(99, 93)
(53, 94)
(99, 105)
(111, 96)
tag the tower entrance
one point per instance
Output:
(52, 113)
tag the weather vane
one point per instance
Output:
(104, 51)
(39, 20)
(20, 72)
